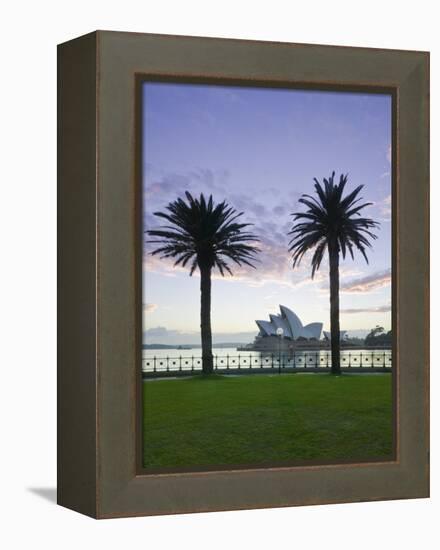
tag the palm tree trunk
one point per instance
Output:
(335, 338)
(205, 320)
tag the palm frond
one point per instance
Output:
(331, 219)
(203, 234)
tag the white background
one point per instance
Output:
(29, 34)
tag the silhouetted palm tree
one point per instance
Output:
(332, 223)
(204, 235)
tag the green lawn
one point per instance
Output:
(259, 418)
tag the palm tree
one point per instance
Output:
(204, 235)
(332, 223)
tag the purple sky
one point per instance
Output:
(259, 149)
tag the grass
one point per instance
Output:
(258, 419)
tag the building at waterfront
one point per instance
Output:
(285, 331)
(291, 326)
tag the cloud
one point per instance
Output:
(389, 153)
(160, 189)
(376, 309)
(248, 204)
(271, 222)
(169, 185)
(223, 93)
(274, 264)
(215, 181)
(368, 283)
(382, 209)
(162, 335)
(279, 210)
(158, 332)
(149, 308)
(385, 207)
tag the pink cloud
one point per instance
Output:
(368, 283)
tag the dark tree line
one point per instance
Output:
(378, 337)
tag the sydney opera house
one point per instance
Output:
(291, 325)
(294, 333)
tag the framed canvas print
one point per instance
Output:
(243, 274)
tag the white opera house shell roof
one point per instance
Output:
(291, 325)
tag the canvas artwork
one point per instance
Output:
(267, 315)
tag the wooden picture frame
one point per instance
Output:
(99, 284)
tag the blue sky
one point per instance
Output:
(260, 148)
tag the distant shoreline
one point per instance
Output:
(190, 346)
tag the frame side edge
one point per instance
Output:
(76, 287)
